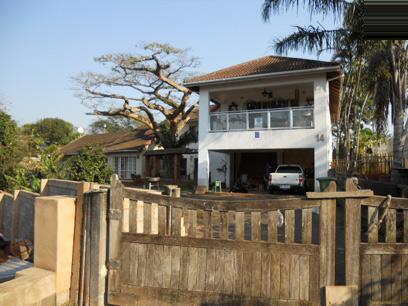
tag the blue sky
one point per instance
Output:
(44, 43)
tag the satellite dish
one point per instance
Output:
(81, 130)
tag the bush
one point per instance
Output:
(89, 165)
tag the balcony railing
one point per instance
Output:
(281, 118)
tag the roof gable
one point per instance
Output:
(264, 65)
(111, 142)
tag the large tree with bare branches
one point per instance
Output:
(148, 86)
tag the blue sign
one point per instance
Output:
(257, 135)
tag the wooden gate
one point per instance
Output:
(165, 250)
(377, 249)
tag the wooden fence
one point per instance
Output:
(367, 165)
(377, 249)
(163, 250)
(190, 251)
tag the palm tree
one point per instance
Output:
(372, 69)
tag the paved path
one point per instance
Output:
(9, 268)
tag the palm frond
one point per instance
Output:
(314, 6)
(309, 39)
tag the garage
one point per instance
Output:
(242, 170)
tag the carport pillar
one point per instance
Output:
(323, 138)
(203, 157)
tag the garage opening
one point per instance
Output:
(250, 168)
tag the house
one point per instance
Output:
(273, 110)
(124, 150)
(136, 153)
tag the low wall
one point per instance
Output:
(6, 211)
(23, 216)
(48, 282)
(32, 286)
(17, 215)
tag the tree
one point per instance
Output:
(90, 165)
(112, 125)
(149, 84)
(12, 149)
(50, 131)
(390, 85)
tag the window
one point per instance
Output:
(125, 166)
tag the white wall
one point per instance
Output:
(318, 138)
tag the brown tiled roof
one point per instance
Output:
(134, 141)
(263, 65)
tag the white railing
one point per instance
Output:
(280, 118)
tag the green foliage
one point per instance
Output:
(51, 162)
(51, 131)
(89, 165)
(12, 149)
(112, 125)
(28, 174)
(23, 178)
(370, 139)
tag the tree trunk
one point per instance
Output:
(397, 147)
(398, 59)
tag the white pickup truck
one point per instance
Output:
(287, 177)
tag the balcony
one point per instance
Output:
(264, 119)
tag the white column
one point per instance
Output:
(203, 121)
(323, 139)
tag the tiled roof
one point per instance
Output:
(112, 142)
(263, 65)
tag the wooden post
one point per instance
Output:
(147, 166)
(115, 235)
(96, 245)
(352, 236)
(177, 164)
(328, 239)
(76, 251)
(156, 166)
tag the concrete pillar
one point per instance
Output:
(53, 236)
(323, 138)
(203, 158)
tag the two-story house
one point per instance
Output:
(273, 110)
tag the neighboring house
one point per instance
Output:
(273, 110)
(124, 150)
(136, 153)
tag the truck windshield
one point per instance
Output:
(288, 169)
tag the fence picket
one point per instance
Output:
(307, 225)
(405, 225)
(239, 225)
(272, 226)
(372, 220)
(289, 226)
(391, 230)
(256, 226)
(192, 223)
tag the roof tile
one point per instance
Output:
(263, 65)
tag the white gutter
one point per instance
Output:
(264, 75)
